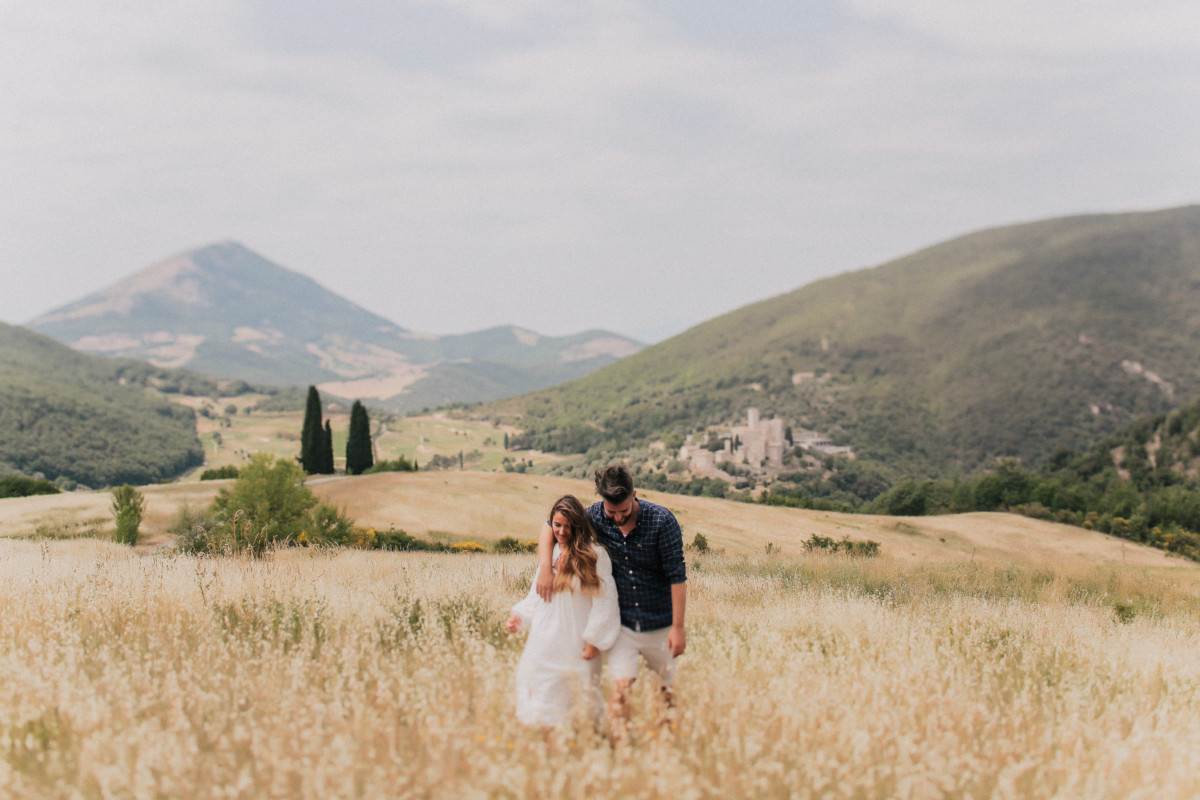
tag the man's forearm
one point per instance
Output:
(678, 604)
(545, 549)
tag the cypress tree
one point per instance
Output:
(312, 439)
(327, 450)
(359, 456)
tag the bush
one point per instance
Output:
(905, 499)
(864, 549)
(194, 531)
(326, 525)
(398, 464)
(20, 486)
(219, 473)
(468, 547)
(699, 544)
(267, 504)
(509, 544)
(128, 505)
(396, 539)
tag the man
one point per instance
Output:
(645, 544)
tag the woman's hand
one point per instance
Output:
(590, 651)
(513, 624)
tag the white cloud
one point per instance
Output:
(1063, 28)
(464, 164)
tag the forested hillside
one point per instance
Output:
(88, 419)
(1015, 342)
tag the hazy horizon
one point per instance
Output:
(457, 165)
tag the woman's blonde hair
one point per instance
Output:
(580, 558)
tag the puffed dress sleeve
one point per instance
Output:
(604, 620)
(525, 609)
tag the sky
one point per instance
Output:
(638, 167)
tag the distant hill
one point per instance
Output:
(223, 310)
(1011, 342)
(89, 419)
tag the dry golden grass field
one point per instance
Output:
(982, 655)
(319, 674)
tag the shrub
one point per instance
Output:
(699, 543)
(363, 538)
(128, 504)
(468, 547)
(267, 504)
(396, 539)
(219, 473)
(194, 531)
(905, 499)
(865, 549)
(510, 544)
(327, 525)
(398, 464)
(20, 486)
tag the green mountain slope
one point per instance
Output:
(227, 311)
(89, 419)
(1015, 342)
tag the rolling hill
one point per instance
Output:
(487, 506)
(88, 419)
(226, 311)
(1015, 342)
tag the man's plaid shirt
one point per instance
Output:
(645, 563)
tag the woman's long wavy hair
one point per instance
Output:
(580, 560)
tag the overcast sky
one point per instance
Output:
(563, 165)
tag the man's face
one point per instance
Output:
(620, 513)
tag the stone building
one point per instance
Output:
(758, 444)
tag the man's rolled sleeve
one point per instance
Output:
(670, 546)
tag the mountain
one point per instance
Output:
(70, 415)
(226, 311)
(1013, 342)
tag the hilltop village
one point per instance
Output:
(760, 446)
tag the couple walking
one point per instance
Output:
(611, 580)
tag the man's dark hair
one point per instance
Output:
(614, 484)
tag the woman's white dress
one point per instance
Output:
(552, 674)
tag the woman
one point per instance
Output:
(566, 633)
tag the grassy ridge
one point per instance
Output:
(1017, 342)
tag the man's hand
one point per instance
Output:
(513, 624)
(590, 651)
(676, 641)
(545, 575)
(545, 584)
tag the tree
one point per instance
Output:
(127, 507)
(359, 457)
(506, 441)
(312, 438)
(327, 450)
